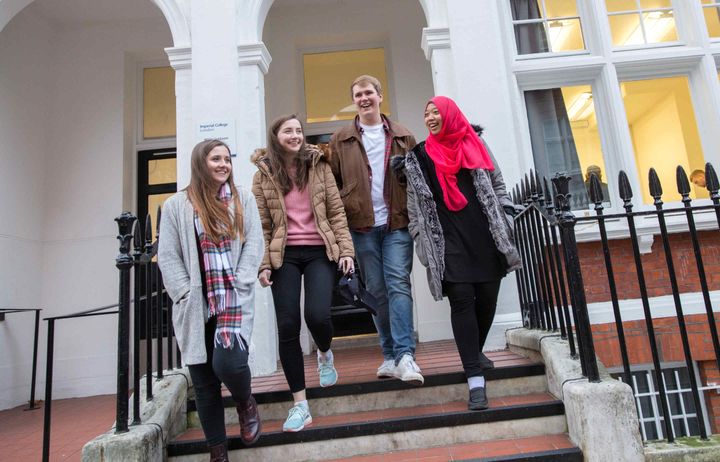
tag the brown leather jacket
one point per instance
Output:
(326, 205)
(351, 168)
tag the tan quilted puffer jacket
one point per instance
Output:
(326, 205)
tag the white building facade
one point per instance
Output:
(557, 84)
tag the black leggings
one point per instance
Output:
(229, 366)
(319, 278)
(472, 309)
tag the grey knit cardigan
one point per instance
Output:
(178, 260)
(425, 227)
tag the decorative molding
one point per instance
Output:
(557, 72)
(434, 38)
(254, 53)
(180, 57)
(656, 62)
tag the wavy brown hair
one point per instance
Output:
(203, 195)
(277, 159)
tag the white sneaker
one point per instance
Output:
(386, 369)
(408, 371)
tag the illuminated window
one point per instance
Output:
(711, 11)
(543, 26)
(664, 132)
(565, 138)
(640, 22)
(327, 82)
(159, 102)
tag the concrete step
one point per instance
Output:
(393, 429)
(439, 388)
(541, 448)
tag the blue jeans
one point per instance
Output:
(385, 259)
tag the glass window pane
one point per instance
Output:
(159, 117)
(641, 379)
(531, 38)
(712, 20)
(621, 5)
(565, 137)
(525, 9)
(560, 8)
(650, 431)
(154, 201)
(653, 4)
(162, 171)
(659, 26)
(328, 77)
(566, 35)
(624, 29)
(662, 120)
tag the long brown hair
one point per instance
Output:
(202, 192)
(275, 156)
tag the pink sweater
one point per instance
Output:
(301, 221)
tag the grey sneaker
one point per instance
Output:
(408, 371)
(386, 369)
(297, 418)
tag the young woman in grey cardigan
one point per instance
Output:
(459, 218)
(211, 245)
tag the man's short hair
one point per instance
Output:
(696, 174)
(365, 80)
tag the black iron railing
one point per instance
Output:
(151, 315)
(551, 277)
(33, 374)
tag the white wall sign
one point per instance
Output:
(223, 130)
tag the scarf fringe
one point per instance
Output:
(227, 337)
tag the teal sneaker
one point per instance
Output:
(298, 417)
(326, 371)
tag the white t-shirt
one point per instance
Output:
(373, 139)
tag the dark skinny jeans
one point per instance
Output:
(319, 272)
(229, 366)
(472, 309)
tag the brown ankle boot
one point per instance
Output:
(218, 453)
(250, 424)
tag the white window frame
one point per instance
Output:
(702, 6)
(653, 393)
(544, 20)
(639, 10)
(142, 143)
(603, 68)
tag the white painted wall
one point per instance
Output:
(73, 79)
(25, 45)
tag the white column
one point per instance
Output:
(181, 61)
(253, 61)
(436, 45)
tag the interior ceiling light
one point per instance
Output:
(582, 107)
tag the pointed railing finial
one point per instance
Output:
(626, 192)
(683, 183)
(656, 190)
(561, 181)
(157, 224)
(596, 194)
(711, 179)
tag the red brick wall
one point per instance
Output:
(654, 267)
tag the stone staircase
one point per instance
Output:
(362, 418)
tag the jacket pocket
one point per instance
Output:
(348, 188)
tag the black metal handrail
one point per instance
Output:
(151, 296)
(33, 377)
(541, 278)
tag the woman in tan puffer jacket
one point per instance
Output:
(306, 234)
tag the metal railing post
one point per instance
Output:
(33, 379)
(124, 263)
(48, 390)
(575, 279)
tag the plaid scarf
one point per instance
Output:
(220, 281)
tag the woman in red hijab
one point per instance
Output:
(461, 221)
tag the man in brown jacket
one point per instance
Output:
(376, 207)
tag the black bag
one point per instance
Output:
(351, 289)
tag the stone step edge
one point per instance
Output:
(555, 455)
(381, 385)
(375, 427)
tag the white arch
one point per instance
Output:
(256, 13)
(177, 15)
(9, 8)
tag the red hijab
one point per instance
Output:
(456, 146)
